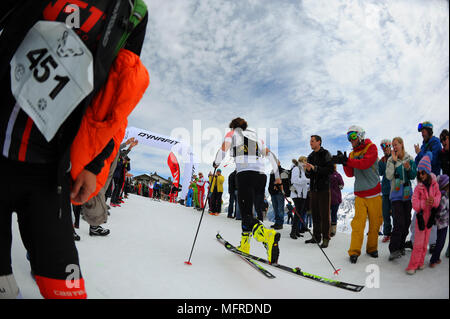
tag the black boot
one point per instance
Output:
(353, 259)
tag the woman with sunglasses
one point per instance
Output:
(362, 163)
(426, 198)
(400, 170)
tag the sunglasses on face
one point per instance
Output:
(385, 145)
(421, 173)
(351, 136)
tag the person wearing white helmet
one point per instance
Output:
(362, 163)
(385, 189)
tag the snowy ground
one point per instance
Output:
(144, 256)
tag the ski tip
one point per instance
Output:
(188, 263)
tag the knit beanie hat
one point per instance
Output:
(425, 163)
(442, 181)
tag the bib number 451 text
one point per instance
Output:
(42, 64)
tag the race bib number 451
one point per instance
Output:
(51, 73)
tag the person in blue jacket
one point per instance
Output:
(189, 197)
(430, 144)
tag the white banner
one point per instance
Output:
(183, 152)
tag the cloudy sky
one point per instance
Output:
(296, 68)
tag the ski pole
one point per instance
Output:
(336, 272)
(201, 217)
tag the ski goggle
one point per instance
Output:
(423, 125)
(384, 145)
(351, 136)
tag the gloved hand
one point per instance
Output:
(215, 165)
(340, 158)
(420, 220)
(432, 219)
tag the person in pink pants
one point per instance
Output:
(425, 200)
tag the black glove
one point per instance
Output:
(215, 165)
(340, 158)
(420, 220)
(432, 219)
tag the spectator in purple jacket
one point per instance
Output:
(336, 184)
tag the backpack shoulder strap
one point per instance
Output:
(137, 14)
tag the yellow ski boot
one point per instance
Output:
(270, 239)
(245, 242)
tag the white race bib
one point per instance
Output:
(51, 73)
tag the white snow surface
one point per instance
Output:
(144, 255)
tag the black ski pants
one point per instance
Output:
(300, 208)
(401, 217)
(44, 221)
(249, 184)
(216, 202)
(320, 208)
(259, 195)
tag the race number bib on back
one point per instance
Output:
(51, 73)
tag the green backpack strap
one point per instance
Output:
(138, 11)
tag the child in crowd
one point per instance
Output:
(426, 199)
(441, 220)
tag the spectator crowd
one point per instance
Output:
(403, 197)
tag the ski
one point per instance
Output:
(250, 261)
(296, 271)
(257, 266)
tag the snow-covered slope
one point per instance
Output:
(144, 257)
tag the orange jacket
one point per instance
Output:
(106, 117)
